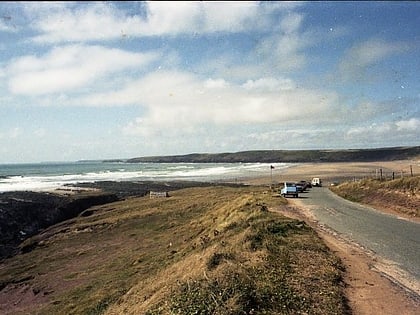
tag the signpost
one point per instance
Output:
(271, 176)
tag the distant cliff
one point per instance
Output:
(290, 156)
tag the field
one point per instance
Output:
(204, 250)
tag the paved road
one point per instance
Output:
(388, 236)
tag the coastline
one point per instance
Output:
(15, 203)
(48, 177)
(361, 277)
(26, 213)
(336, 172)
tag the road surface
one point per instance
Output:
(390, 238)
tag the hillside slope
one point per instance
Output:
(399, 196)
(290, 156)
(206, 250)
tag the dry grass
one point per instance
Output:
(399, 196)
(201, 251)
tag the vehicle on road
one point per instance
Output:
(303, 185)
(289, 189)
(316, 181)
(389, 237)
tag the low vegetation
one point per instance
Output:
(203, 250)
(399, 195)
(290, 156)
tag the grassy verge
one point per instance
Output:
(214, 250)
(399, 195)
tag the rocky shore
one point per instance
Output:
(24, 213)
(127, 189)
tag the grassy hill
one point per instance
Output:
(291, 156)
(400, 195)
(202, 250)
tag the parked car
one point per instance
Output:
(303, 185)
(300, 187)
(316, 181)
(289, 189)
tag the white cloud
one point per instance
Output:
(198, 17)
(103, 21)
(245, 84)
(97, 21)
(270, 84)
(372, 51)
(230, 16)
(412, 124)
(297, 138)
(215, 83)
(40, 132)
(373, 129)
(178, 99)
(70, 67)
(366, 54)
(392, 131)
(284, 50)
(12, 133)
(291, 23)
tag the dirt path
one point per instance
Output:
(369, 291)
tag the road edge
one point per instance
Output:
(373, 286)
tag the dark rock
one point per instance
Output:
(24, 214)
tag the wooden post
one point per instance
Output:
(381, 172)
(271, 176)
(411, 170)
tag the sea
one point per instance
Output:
(55, 175)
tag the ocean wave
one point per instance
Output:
(50, 177)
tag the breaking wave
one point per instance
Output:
(47, 176)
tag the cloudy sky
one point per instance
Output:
(101, 80)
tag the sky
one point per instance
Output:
(104, 80)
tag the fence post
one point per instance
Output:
(411, 170)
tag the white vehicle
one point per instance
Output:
(316, 181)
(289, 189)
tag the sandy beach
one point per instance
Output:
(338, 172)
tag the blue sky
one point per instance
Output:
(102, 80)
